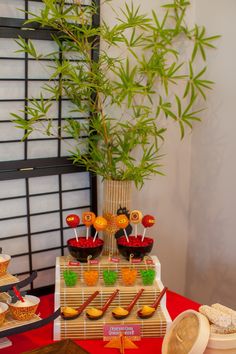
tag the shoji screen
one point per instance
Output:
(39, 186)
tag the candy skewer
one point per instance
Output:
(73, 221)
(99, 224)
(122, 222)
(18, 294)
(147, 221)
(135, 218)
(88, 218)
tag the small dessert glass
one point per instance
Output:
(109, 277)
(24, 311)
(128, 276)
(148, 276)
(4, 262)
(3, 311)
(90, 277)
(70, 277)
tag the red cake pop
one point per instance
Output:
(147, 221)
(73, 221)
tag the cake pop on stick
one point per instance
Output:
(136, 218)
(88, 218)
(73, 221)
(100, 224)
(122, 222)
(147, 221)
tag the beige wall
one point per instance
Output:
(211, 261)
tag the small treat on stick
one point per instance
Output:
(100, 224)
(88, 218)
(122, 222)
(73, 221)
(147, 221)
(136, 218)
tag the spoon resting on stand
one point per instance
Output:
(69, 313)
(122, 312)
(95, 313)
(148, 311)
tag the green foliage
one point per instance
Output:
(128, 97)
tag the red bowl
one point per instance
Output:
(83, 248)
(135, 246)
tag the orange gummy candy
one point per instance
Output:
(90, 277)
(128, 276)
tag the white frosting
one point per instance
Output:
(26, 303)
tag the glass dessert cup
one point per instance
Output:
(109, 277)
(83, 248)
(90, 277)
(135, 246)
(3, 311)
(70, 278)
(148, 276)
(24, 311)
(128, 276)
(4, 262)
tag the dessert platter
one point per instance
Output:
(96, 290)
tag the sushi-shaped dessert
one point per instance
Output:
(22, 307)
(80, 247)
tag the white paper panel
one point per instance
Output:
(8, 47)
(8, 131)
(75, 180)
(41, 135)
(45, 47)
(15, 246)
(13, 227)
(70, 233)
(47, 240)
(9, 8)
(45, 259)
(12, 90)
(44, 278)
(12, 207)
(37, 149)
(35, 89)
(39, 69)
(35, 7)
(44, 203)
(6, 108)
(12, 188)
(45, 222)
(43, 184)
(12, 151)
(70, 145)
(75, 199)
(12, 69)
(19, 265)
(68, 109)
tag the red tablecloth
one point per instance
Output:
(43, 336)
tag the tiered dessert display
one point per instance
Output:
(17, 310)
(95, 292)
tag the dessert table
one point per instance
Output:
(43, 336)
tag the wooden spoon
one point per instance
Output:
(77, 312)
(152, 309)
(98, 313)
(125, 311)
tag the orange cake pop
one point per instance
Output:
(100, 224)
(88, 218)
(136, 218)
(122, 222)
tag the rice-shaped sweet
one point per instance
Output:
(24, 311)
(4, 262)
(3, 311)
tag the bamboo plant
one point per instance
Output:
(130, 96)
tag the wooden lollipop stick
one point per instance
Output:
(95, 236)
(76, 236)
(144, 232)
(87, 232)
(126, 236)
